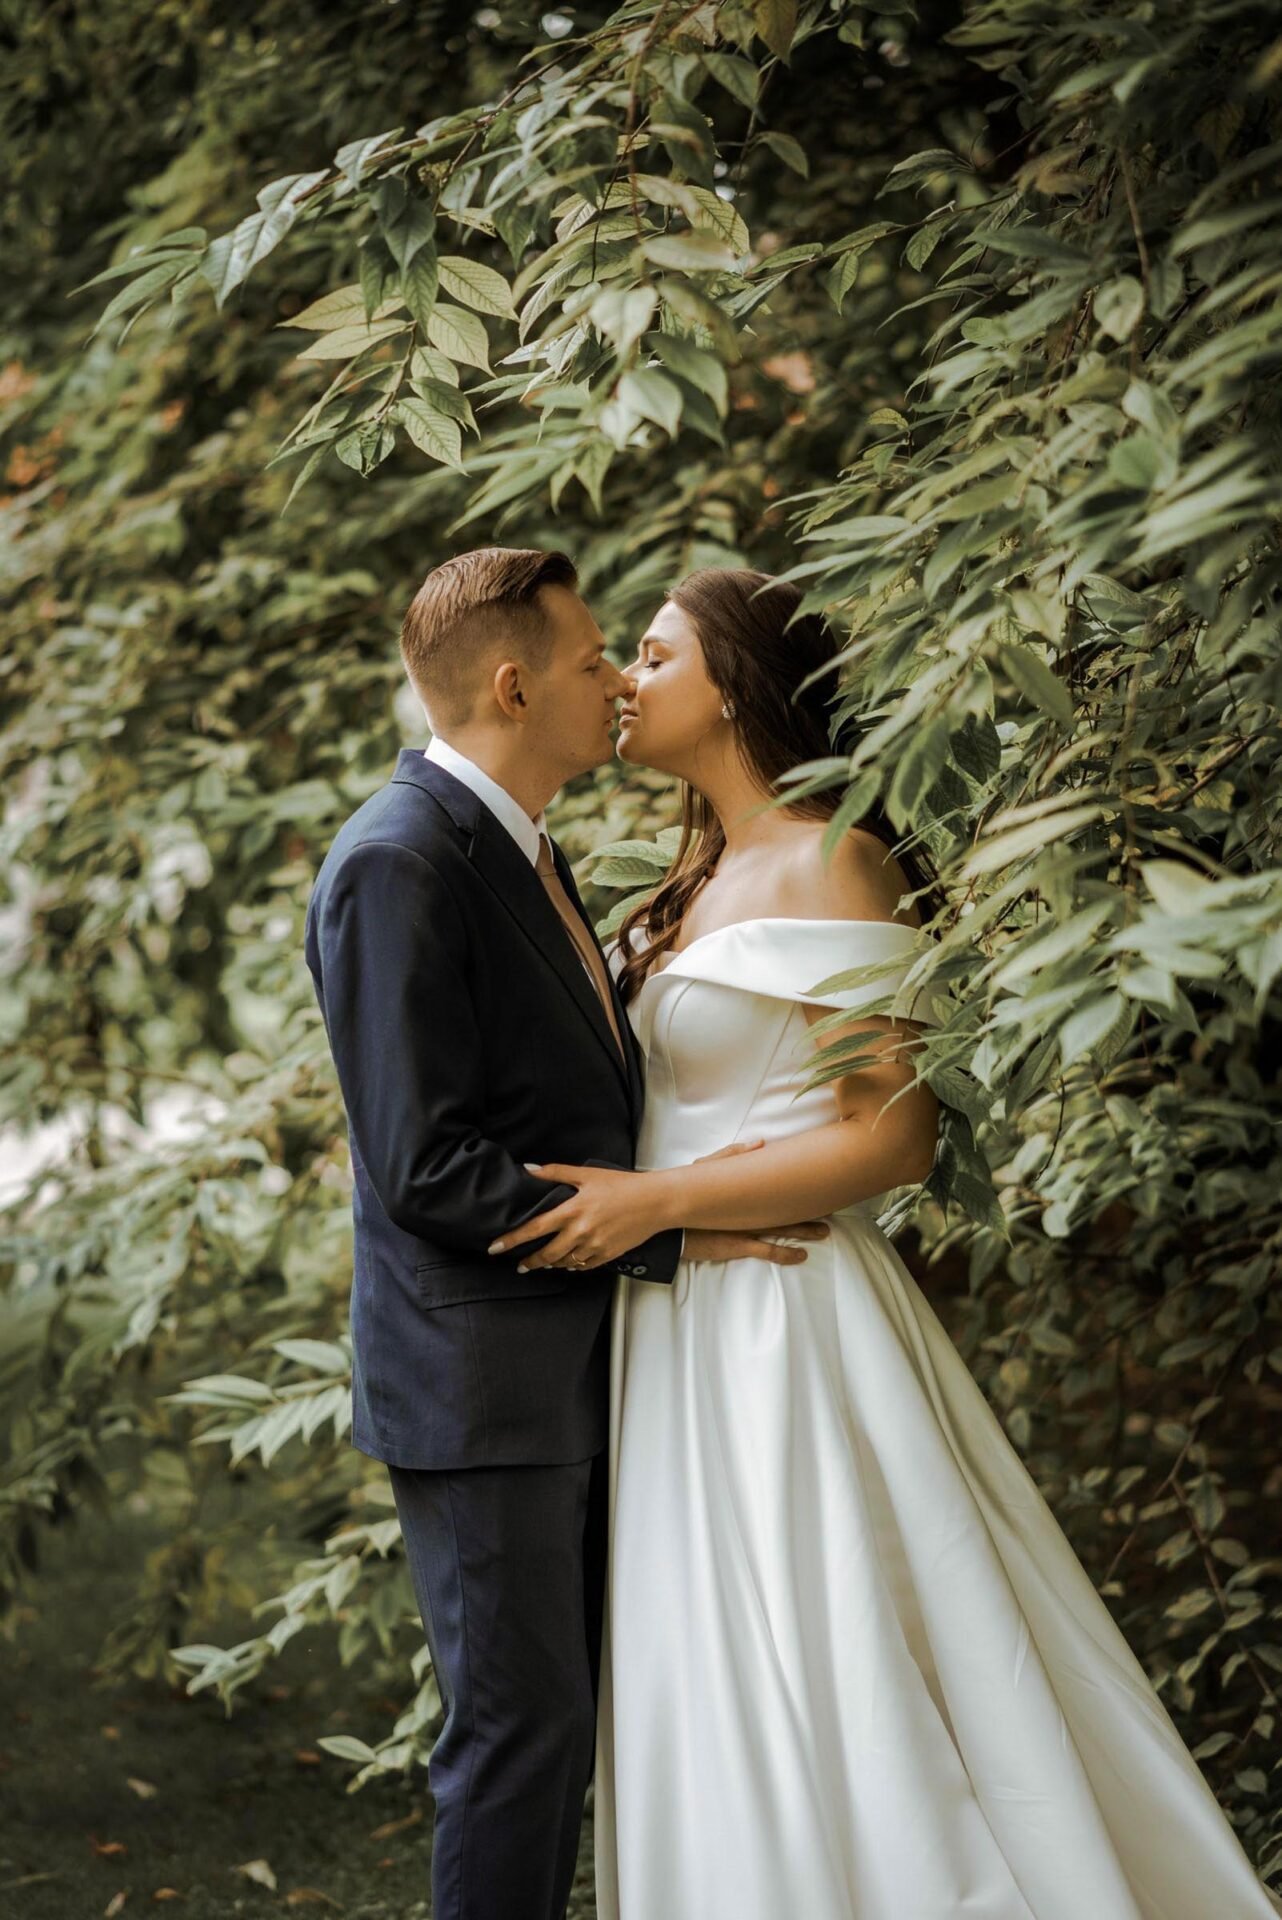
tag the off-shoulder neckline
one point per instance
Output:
(768, 920)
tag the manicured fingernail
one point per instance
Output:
(522, 1269)
(495, 1246)
(532, 1166)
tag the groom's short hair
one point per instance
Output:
(471, 610)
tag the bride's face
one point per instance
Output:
(670, 707)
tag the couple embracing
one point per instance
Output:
(698, 1498)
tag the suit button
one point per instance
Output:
(638, 1270)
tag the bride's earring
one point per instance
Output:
(727, 713)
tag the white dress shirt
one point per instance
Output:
(507, 811)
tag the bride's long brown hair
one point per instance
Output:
(757, 662)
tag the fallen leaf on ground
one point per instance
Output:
(259, 1870)
(307, 1756)
(114, 1905)
(303, 1896)
(166, 1893)
(389, 1827)
(107, 1846)
(143, 1788)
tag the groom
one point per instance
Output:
(475, 1027)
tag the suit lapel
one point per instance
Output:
(501, 864)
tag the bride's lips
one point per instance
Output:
(625, 714)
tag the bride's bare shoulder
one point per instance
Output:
(860, 880)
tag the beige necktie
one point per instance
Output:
(586, 945)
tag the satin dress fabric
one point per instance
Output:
(852, 1668)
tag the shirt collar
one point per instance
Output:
(507, 811)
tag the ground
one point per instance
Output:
(77, 1841)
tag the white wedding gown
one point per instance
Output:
(852, 1668)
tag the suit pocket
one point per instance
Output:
(451, 1285)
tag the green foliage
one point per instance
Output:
(989, 368)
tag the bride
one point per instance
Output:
(852, 1669)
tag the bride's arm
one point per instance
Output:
(879, 1141)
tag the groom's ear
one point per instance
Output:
(509, 695)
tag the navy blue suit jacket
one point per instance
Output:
(468, 1039)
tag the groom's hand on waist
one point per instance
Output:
(710, 1243)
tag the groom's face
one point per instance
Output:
(572, 700)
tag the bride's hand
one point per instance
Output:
(611, 1212)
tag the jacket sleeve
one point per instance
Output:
(406, 1042)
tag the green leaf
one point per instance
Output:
(737, 76)
(432, 432)
(923, 243)
(345, 307)
(695, 364)
(345, 1746)
(976, 747)
(697, 310)
(426, 363)
(622, 314)
(715, 214)
(409, 228)
(419, 282)
(647, 392)
(477, 286)
(698, 250)
(1178, 889)
(1084, 1029)
(917, 766)
(323, 1355)
(1118, 306)
(776, 23)
(842, 277)
(345, 342)
(352, 159)
(1141, 463)
(1036, 681)
(366, 446)
(141, 290)
(923, 166)
(229, 259)
(444, 398)
(1032, 836)
(627, 872)
(864, 237)
(459, 334)
(790, 151)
